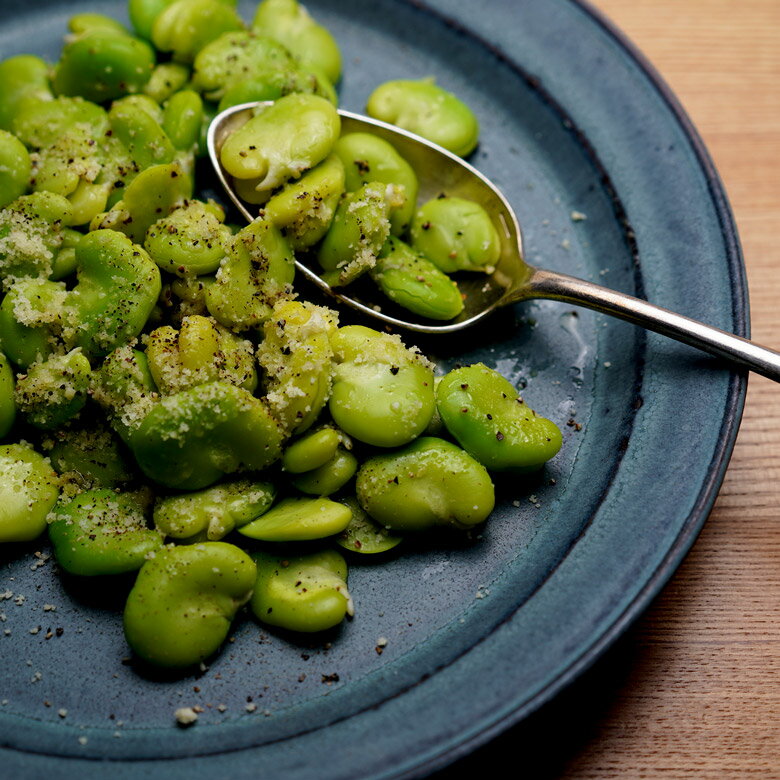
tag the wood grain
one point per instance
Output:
(701, 697)
(693, 691)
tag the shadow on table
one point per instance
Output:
(547, 744)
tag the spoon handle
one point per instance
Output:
(560, 287)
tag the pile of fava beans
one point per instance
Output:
(168, 404)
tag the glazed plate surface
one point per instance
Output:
(610, 183)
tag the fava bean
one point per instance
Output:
(382, 392)
(282, 141)
(181, 606)
(185, 26)
(304, 209)
(363, 534)
(291, 24)
(425, 108)
(296, 357)
(482, 410)
(414, 282)
(24, 81)
(55, 390)
(298, 520)
(190, 439)
(102, 532)
(306, 593)
(15, 169)
(189, 241)
(428, 483)
(358, 232)
(368, 158)
(456, 235)
(7, 402)
(311, 450)
(213, 513)
(330, 477)
(257, 273)
(28, 490)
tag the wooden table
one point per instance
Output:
(694, 689)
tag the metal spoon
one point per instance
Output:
(513, 279)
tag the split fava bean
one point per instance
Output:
(311, 450)
(213, 513)
(28, 491)
(305, 593)
(102, 532)
(15, 168)
(430, 482)
(330, 477)
(298, 520)
(183, 602)
(363, 534)
(7, 403)
(482, 410)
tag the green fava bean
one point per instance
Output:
(31, 235)
(166, 80)
(425, 108)
(299, 520)
(428, 483)
(213, 513)
(291, 24)
(15, 168)
(118, 286)
(305, 208)
(29, 488)
(181, 606)
(102, 532)
(282, 141)
(236, 56)
(330, 477)
(311, 451)
(273, 84)
(482, 410)
(90, 457)
(414, 282)
(296, 357)
(7, 403)
(358, 232)
(382, 392)
(307, 593)
(363, 534)
(200, 351)
(190, 439)
(150, 196)
(456, 235)
(82, 23)
(31, 317)
(368, 158)
(183, 118)
(186, 26)
(258, 272)
(190, 241)
(140, 131)
(24, 80)
(103, 64)
(54, 391)
(143, 13)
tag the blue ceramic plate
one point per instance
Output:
(479, 632)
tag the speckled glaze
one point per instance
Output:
(480, 632)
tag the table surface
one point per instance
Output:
(693, 690)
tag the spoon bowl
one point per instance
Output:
(512, 279)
